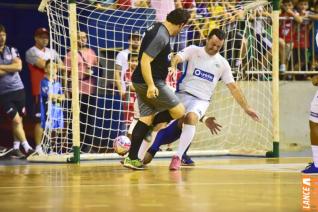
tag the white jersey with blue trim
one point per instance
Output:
(203, 72)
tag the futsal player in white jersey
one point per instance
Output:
(312, 168)
(195, 89)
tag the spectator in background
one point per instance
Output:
(302, 35)
(36, 58)
(164, 7)
(51, 98)
(286, 31)
(12, 95)
(87, 61)
(121, 65)
(131, 95)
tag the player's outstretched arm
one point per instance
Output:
(241, 100)
(210, 123)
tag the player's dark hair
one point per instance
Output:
(218, 33)
(2, 28)
(178, 16)
(286, 1)
(48, 62)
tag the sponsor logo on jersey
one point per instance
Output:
(203, 74)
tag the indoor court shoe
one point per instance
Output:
(133, 164)
(175, 163)
(3, 149)
(16, 154)
(30, 152)
(310, 169)
(187, 161)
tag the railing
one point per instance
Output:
(298, 48)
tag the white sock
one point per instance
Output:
(39, 149)
(143, 149)
(26, 146)
(315, 154)
(146, 143)
(16, 144)
(186, 137)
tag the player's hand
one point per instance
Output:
(314, 80)
(214, 127)
(152, 92)
(252, 113)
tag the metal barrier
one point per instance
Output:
(298, 46)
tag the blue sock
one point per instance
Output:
(165, 136)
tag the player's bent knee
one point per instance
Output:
(17, 119)
(191, 118)
(147, 119)
(177, 111)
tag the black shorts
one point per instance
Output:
(12, 103)
(36, 109)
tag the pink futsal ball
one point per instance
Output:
(122, 145)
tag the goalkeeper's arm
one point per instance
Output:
(210, 123)
(241, 100)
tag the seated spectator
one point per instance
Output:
(12, 95)
(36, 58)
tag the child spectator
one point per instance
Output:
(51, 99)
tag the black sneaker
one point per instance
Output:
(30, 152)
(3, 149)
(16, 154)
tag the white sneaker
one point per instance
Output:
(282, 68)
(39, 151)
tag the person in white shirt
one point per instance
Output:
(195, 89)
(121, 65)
(36, 58)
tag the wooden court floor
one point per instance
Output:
(215, 184)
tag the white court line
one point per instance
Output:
(287, 167)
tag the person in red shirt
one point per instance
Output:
(286, 31)
(36, 58)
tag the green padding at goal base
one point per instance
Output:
(275, 152)
(55, 158)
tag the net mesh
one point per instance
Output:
(106, 113)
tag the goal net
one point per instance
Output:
(106, 110)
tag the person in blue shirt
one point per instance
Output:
(51, 99)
